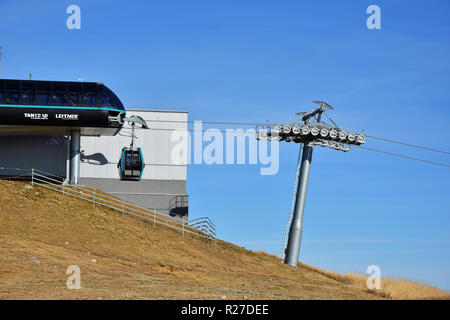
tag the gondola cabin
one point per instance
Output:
(131, 164)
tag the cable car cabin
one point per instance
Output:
(53, 106)
(131, 164)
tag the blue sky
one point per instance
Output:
(253, 61)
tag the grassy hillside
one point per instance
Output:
(43, 232)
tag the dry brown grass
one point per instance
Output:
(43, 232)
(400, 288)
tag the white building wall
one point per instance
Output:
(100, 155)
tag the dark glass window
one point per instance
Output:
(59, 99)
(105, 101)
(12, 92)
(27, 86)
(137, 163)
(90, 94)
(90, 100)
(59, 87)
(58, 93)
(86, 100)
(95, 100)
(12, 97)
(64, 99)
(109, 99)
(56, 100)
(13, 85)
(43, 87)
(74, 100)
(74, 87)
(42, 98)
(27, 98)
(74, 94)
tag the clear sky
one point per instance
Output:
(253, 61)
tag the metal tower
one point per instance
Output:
(310, 131)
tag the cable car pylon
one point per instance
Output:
(310, 133)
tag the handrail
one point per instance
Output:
(206, 230)
(204, 218)
(46, 179)
(118, 206)
(117, 201)
(103, 199)
(149, 218)
(202, 223)
(47, 173)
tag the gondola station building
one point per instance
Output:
(81, 132)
